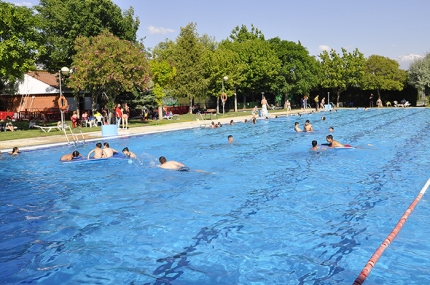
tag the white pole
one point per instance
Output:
(328, 94)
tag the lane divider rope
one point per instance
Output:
(372, 261)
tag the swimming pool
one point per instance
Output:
(268, 211)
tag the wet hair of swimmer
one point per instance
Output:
(125, 149)
(99, 145)
(162, 159)
(106, 144)
(75, 153)
(314, 143)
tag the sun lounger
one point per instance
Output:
(47, 129)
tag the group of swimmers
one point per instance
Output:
(331, 143)
(100, 151)
(307, 128)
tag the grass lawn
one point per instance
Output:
(25, 132)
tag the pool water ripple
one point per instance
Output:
(270, 211)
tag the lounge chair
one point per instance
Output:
(48, 129)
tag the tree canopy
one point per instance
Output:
(338, 72)
(20, 42)
(299, 72)
(65, 20)
(188, 58)
(108, 64)
(419, 74)
(382, 73)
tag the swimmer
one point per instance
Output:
(98, 152)
(15, 151)
(71, 156)
(230, 138)
(109, 152)
(128, 153)
(315, 146)
(296, 127)
(308, 127)
(331, 129)
(171, 164)
(333, 143)
(231, 123)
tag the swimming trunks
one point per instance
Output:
(183, 168)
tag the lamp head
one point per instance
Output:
(65, 70)
(225, 78)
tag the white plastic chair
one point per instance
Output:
(99, 120)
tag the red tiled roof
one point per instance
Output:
(45, 77)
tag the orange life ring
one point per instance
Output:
(62, 103)
(223, 97)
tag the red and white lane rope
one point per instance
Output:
(372, 261)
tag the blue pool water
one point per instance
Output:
(268, 211)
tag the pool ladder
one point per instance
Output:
(74, 137)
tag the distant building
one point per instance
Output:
(39, 91)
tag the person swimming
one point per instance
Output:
(333, 143)
(128, 153)
(71, 156)
(171, 164)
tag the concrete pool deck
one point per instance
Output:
(60, 139)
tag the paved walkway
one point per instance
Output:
(42, 141)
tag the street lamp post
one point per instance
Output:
(225, 78)
(64, 71)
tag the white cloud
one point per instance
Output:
(324, 47)
(158, 30)
(409, 58)
(27, 4)
(406, 60)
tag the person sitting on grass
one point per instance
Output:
(9, 125)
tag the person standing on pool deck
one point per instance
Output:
(371, 100)
(333, 143)
(71, 156)
(264, 109)
(118, 114)
(296, 127)
(98, 152)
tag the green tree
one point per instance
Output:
(260, 63)
(242, 34)
(218, 64)
(188, 57)
(108, 64)
(382, 73)
(299, 72)
(338, 72)
(20, 42)
(419, 74)
(162, 74)
(65, 20)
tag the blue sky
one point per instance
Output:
(395, 29)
